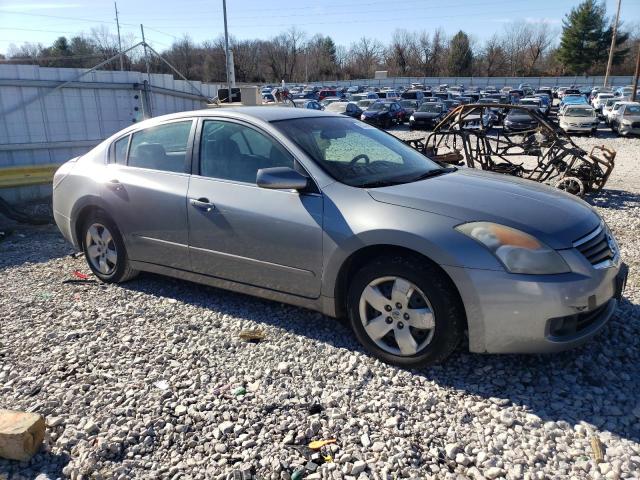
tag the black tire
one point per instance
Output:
(386, 123)
(447, 308)
(123, 270)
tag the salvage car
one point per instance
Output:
(579, 118)
(537, 102)
(600, 99)
(409, 106)
(518, 120)
(625, 120)
(427, 115)
(384, 113)
(350, 109)
(607, 109)
(325, 212)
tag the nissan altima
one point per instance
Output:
(326, 212)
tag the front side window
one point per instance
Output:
(355, 153)
(163, 147)
(120, 149)
(231, 151)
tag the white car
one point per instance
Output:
(607, 108)
(600, 99)
(579, 118)
(625, 119)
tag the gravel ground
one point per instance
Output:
(151, 380)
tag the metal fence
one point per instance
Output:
(497, 82)
(42, 125)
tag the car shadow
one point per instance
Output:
(614, 199)
(588, 384)
(47, 464)
(32, 244)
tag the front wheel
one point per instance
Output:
(405, 311)
(104, 249)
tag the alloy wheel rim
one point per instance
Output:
(397, 316)
(101, 249)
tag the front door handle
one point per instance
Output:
(115, 184)
(202, 204)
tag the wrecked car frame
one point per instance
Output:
(543, 153)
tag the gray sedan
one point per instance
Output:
(326, 212)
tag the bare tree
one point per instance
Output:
(364, 56)
(401, 55)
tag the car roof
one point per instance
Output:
(264, 113)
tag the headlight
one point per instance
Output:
(362, 117)
(516, 250)
(411, 118)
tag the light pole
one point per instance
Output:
(226, 48)
(613, 45)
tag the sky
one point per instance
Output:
(165, 20)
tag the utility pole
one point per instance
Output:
(613, 45)
(119, 41)
(146, 61)
(226, 48)
(635, 77)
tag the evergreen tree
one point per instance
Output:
(586, 39)
(460, 55)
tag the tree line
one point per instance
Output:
(580, 47)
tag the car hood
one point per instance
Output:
(373, 113)
(555, 217)
(427, 114)
(521, 119)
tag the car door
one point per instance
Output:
(241, 232)
(145, 192)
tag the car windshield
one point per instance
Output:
(579, 112)
(338, 107)
(357, 154)
(378, 106)
(632, 110)
(409, 104)
(430, 107)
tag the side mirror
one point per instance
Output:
(281, 178)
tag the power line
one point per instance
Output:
(355, 22)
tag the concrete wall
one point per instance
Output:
(42, 125)
(498, 82)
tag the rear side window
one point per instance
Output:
(163, 147)
(120, 150)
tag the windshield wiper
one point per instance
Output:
(433, 173)
(379, 183)
(388, 183)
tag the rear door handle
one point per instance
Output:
(202, 204)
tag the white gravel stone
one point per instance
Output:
(138, 380)
(494, 472)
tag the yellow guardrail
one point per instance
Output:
(27, 175)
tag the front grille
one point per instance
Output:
(596, 246)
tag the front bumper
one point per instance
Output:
(578, 128)
(508, 313)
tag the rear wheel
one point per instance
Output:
(405, 312)
(104, 249)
